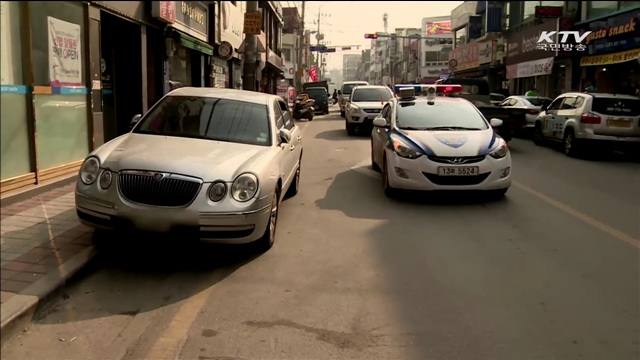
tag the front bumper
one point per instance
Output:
(225, 222)
(361, 117)
(422, 174)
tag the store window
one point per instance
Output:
(461, 37)
(180, 67)
(15, 152)
(60, 99)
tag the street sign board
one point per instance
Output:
(331, 50)
(252, 23)
(320, 48)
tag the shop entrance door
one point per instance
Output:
(121, 66)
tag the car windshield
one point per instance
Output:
(439, 116)
(537, 101)
(208, 118)
(375, 94)
(316, 92)
(348, 88)
(616, 106)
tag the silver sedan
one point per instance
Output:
(214, 161)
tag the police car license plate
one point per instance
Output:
(457, 170)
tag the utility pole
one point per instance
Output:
(301, 47)
(250, 79)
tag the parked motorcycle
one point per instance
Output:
(303, 109)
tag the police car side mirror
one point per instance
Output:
(496, 122)
(380, 122)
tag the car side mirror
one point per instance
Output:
(380, 122)
(285, 135)
(495, 122)
(135, 120)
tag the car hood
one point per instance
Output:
(455, 143)
(206, 159)
(369, 104)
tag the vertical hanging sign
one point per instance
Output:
(65, 53)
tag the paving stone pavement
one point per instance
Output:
(38, 236)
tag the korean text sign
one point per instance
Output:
(65, 53)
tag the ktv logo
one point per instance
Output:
(545, 42)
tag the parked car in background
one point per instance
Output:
(531, 104)
(365, 104)
(213, 162)
(320, 97)
(583, 120)
(347, 87)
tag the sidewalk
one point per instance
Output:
(42, 245)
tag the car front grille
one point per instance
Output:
(372, 111)
(158, 189)
(456, 180)
(456, 159)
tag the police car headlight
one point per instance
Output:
(403, 149)
(500, 152)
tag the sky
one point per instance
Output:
(346, 22)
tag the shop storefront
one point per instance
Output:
(611, 59)
(474, 60)
(45, 117)
(527, 65)
(188, 53)
(230, 26)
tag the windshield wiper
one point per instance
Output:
(451, 128)
(411, 128)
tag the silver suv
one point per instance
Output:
(347, 87)
(579, 118)
(364, 105)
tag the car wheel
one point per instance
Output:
(570, 143)
(388, 190)
(269, 237)
(295, 184)
(538, 138)
(351, 128)
(374, 166)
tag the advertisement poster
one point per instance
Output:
(65, 60)
(438, 27)
(313, 74)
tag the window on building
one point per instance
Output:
(286, 54)
(16, 156)
(461, 37)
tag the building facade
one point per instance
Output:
(271, 63)
(226, 64)
(350, 64)
(434, 48)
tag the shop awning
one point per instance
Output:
(193, 43)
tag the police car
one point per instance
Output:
(436, 142)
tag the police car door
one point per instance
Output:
(380, 135)
(567, 109)
(549, 117)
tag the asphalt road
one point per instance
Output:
(549, 272)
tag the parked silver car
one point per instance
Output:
(217, 161)
(364, 105)
(579, 118)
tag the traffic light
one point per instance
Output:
(370, 36)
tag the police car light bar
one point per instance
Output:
(447, 89)
(407, 93)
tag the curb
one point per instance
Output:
(14, 196)
(20, 308)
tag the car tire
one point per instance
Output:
(295, 184)
(351, 128)
(269, 237)
(388, 190)
(538, 138)
(570, 144)
(326, 112)
(374, 166)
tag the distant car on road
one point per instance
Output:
(365, 105)
(216, 162)
(347, 87)
(578, 119)
(438, 143)
(531, 104)
(320, 97)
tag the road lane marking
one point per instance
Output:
(575, 213)
(170, 343)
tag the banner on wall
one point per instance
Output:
(65, 53)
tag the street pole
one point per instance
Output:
(300, 52)
(318, 41)
(249, 77)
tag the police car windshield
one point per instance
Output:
(370, 95)
(421, 115)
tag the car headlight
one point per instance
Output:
(501, 151)
(217, 191)
(403, 149)
(354, 109)
(89, 170)
(245, 187)
(105, 179)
